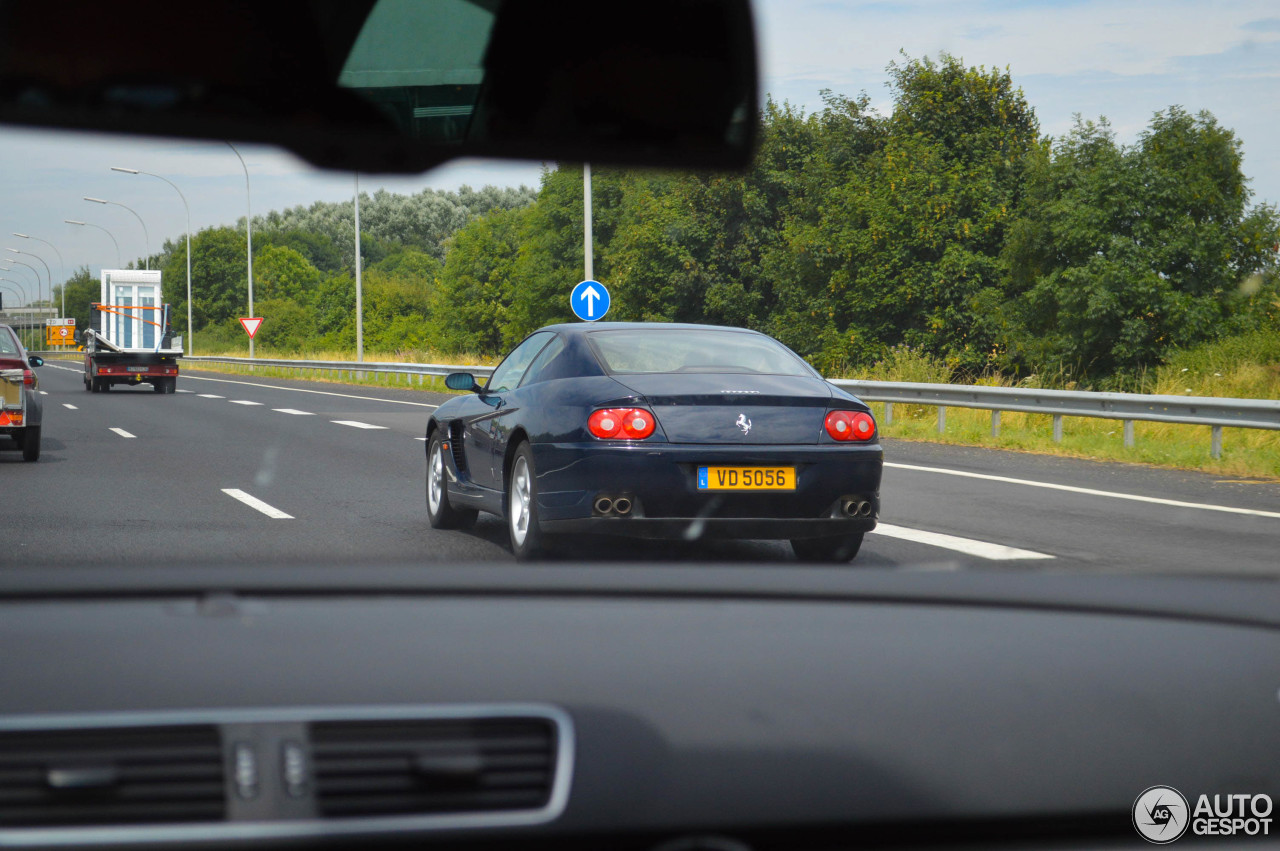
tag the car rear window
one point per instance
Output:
(652, 350)
(8, 346)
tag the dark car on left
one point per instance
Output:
(21, 412)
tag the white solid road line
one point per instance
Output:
(244, 402)
(968, 546)
(123, 433)
(355, 424)
(184, 391)
(43, 393)
(1176, 503)
(70, 407)
(210, 396)
(257, 504)
(293, 411)
(316, 392)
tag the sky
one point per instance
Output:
(1122, 59)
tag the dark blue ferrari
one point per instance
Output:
(656, 431)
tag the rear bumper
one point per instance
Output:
(754, 528)
(660, 482)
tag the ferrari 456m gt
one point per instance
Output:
(656, 431)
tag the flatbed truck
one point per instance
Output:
(130, 338)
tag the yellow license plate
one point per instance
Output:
(746, 478)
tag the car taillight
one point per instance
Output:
(28, 377)
(621, 424)
(850, 425)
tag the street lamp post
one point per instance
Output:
(20, 293)
(248, 230)
(35, 272)
(61, 268)
(191, 331)
(359, 286)
(101, 228)
(48, 275)
(146, 237)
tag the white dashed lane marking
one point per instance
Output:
(293, 411)
(257, 504)
(70, 407)
(968, 546)
(210, 396)
(123, 433)
(244, 402)
(355, 424)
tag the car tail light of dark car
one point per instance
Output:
(621, 424)
(28, 377)
(850, 426)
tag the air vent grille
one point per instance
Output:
(373, 768)
(456, 446)
(120, 776)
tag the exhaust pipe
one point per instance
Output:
(857, 508)
(604, 505)
(622, 505)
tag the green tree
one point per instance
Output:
(1122, 253)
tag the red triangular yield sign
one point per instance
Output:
(251, 325)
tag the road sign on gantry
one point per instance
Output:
(589, 301)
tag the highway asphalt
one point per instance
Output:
(203, 477)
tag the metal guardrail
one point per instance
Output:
(352, 368)
(1213, 411)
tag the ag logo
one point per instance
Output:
(743, 423)
(1161, 815)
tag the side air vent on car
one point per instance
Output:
(401, 767)
(124, 776)
(455, 446)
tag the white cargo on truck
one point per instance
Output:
(130, 340)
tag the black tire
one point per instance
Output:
(87, 385)
(834, 550)
(440, 511)
(171, 385)
(158, 385)
(103, 385)
(520, 502)
(31, 443)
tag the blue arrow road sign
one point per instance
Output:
(589, 300)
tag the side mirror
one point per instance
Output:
(461, 381)
(35, 361)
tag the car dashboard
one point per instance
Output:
(622, 706)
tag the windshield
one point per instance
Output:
(632, 352)
(1031, 247)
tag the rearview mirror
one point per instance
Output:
(35, 361)
(398, 85)
(461, 381)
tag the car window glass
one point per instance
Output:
(512, 369)
(7, 344)
(545, 357)
(685, 350)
